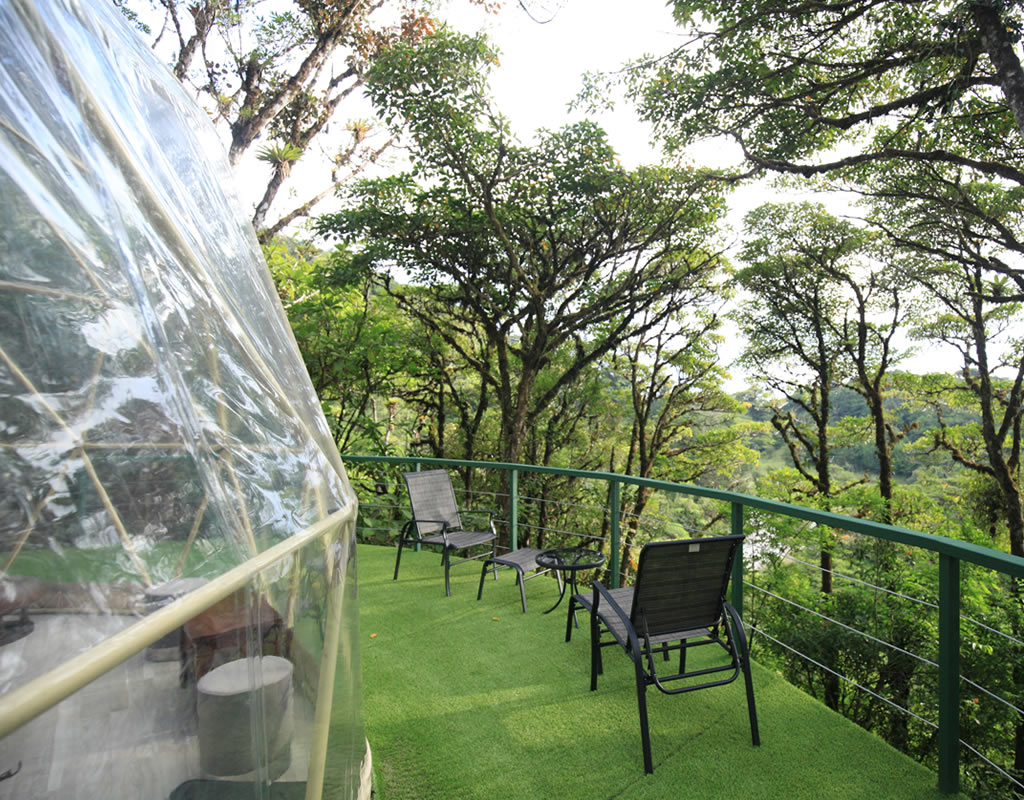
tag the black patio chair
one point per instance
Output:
(677, 602)
(436, 520)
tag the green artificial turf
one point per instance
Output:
(468, 699)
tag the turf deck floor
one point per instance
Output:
(466, 699)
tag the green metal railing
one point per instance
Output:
(951, 554)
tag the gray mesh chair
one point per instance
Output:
(436, 520)
(677, 602)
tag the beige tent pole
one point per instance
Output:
(146, 446)
(222, 419)
(32, 522)
(100, 488)
(86, 462)
(28, 701)
(63, 294)
(321, 499)
(94, 386)
(114, 516)
(168, 231)
(295, 585)
(192, 535)
(325, 688)
(70, 156)
(293, 591)
(49, 291)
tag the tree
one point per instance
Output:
(577, 429)
(355, 347)
(870, 352)
(991, 381)
(679, 429)
(909, 103)
(865, 92)
(863, 268)
(945, 220)
(543, 249)
(788, 81)
(796, 349)
(450, 404)
(280, 72)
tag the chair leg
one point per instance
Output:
(569, 618)
(755, 734)
(641, 699)
(522, 588)
(744, 654)
(595, 649)
(398, 560)
(483, 574)
(446, 560)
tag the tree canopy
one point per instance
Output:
(276, 75)
(921, 80)
(543, 248)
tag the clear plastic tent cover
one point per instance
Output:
(158, 431)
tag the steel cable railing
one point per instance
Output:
(841, 577)
(843, 625)
(1015, 781)
(845, 679)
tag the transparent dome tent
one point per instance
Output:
(178, 614)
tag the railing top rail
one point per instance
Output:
(965, 551)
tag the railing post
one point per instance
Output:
(737, 565)
(513, 509)
(615, 487)
(949, 674)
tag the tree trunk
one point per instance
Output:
(883, 451)
(825, 562)
(281, 171)
(998, 45)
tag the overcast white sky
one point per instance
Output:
(542, 65)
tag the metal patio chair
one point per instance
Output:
(677, 602)
(436, 520)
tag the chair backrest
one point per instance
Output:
(433, 500)
(681, 585)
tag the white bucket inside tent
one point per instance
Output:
(172, 501)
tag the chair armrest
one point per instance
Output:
(633, 645)
(737, 625)
(488, 511)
